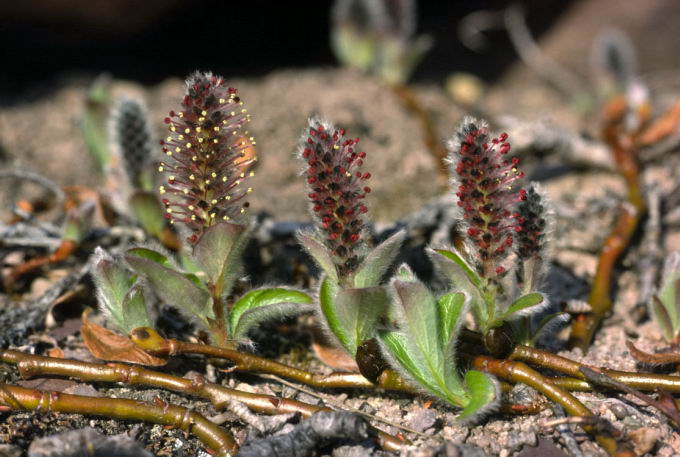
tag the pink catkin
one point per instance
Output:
(337, 189)
(487, 194)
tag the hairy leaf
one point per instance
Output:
(319, 253)
(483, 393)
(526, 305)
(463, 266)
(152, 255)
(173, 287)
(376, 263)
(451, 310)
(256, 316)
(218, 253)
(266, 298)
(327, 293)
(113, 283)
(358, 312)
(409, 362)
(669, 293)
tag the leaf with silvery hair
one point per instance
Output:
(170, 285)
(378, 260)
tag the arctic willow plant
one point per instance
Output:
(665, 304)
(499, 219)
(204, 193)
(352, 300)
(355, 305)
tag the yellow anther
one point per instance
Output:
(194, 158)
(181, 137)
(188, 145)
(244, 110)
(348, 174)
(169, 210)
(214, 175)
(207, 181)
(224, 179)
(187, 130)
(204, 113)
(251, 174)
(160, 168)
(171, 221)
(186, 191)
(198, 130)
(242, 175)
(192, 177)
(190, 207)
(226, 218)
(216, 141)
(243, 210)
(335, 146)
(216, 128)
(212, 215)
(201, 119)
(171, 177)
(233, 113)
(177, 149)
(227, 198)
(193, 217)
(180, 114)
(222, 101)
(250, 189)
(168, 138)
(161, 190)
(172, 128)
(200, 140)
(213, 201)
(169, 153)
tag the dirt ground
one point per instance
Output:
(44, 136)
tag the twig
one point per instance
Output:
(211, 435)
(548, 360)
(149, 340)
(519, 372)
(584, 325)
(431, 138)
(339, 407)
(565, 432)
(532, 55)
(33, 365)
(651, 253)
(602, 379)
(38, 179)
(669, 358)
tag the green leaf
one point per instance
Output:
(327, 292)
(172, 286)
(135, 313)
(218, 253)
(376, 263)
(265, 298)
(463, 267)
(451, 310)
(256, 316)
(421, 319)
(526, 305)
(464, 278)
(152, 255)
(669, 293)
(404, 352)
(320, 253)
(483, 394)
(113, 283)
(93, 124)
(358, 312)
(662, 319)
(148, 211)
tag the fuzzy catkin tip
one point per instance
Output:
(337, 189)
(131, 137)
(207, 159)
(484, 180)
